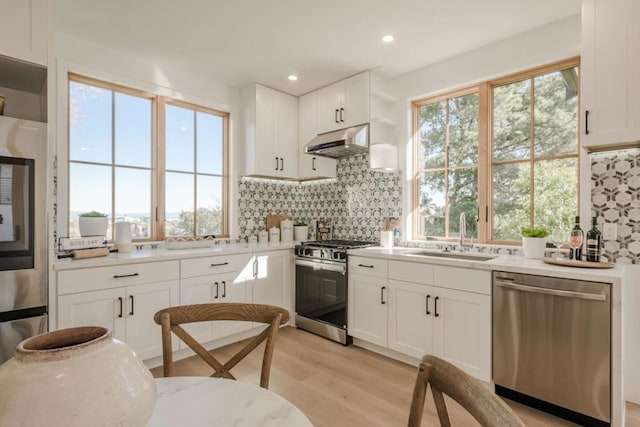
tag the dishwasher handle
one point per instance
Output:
(554, 292)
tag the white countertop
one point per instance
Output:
(510, 263)
(162, 254)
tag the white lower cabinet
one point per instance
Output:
(127, 311)
(425, 309)
(272, 282)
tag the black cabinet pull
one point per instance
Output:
(120, 276)
(217, 290)
(341, 118)
(365, 266)
(313, 163)
(336, 116)
(276, 163)
(131, 312)
(382, 301)
(281, 163)
(219, 264)
(586, 122)
(224, 289)
(435, 306)
(427, 305)
(120, 300)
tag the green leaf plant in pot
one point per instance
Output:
(93, 223)
(534, 242)
(300, 231)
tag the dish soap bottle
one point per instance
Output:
(576, 240)
(594, 241)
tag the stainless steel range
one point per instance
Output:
(321, 287)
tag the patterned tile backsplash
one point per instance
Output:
(356, 202)
(615, 197)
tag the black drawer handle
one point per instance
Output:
(313, 163)
(120, 300)
(586, 122)
(336, 116)
(341, 118)
(224, 289)
(219, 264)
(131, 312)
(382, 301)
(276, 163)
(121, 276)
(365, 266)
(217, 290)
(435, 307)
(427, 305)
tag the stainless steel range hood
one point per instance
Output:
(340, 143)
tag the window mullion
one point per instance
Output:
(446, 171)
(532, 151)
(113, 162)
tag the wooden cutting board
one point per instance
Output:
(575, 263)
(274, 220)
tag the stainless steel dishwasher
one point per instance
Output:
(552, 345)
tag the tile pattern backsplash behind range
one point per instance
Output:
(615, 197)
(356, 201)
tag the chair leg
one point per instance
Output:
(268, 351)
(167, 351)
(438, 398)
(419, 394)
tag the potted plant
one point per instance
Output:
(93, 223)
(534, 242)
(300, 231)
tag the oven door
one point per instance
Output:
(321, 291)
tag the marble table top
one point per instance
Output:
(204, 401)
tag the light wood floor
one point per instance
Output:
(339, 386)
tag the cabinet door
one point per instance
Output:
(355, 103)
(233, 288)
(287, 135)
(610, 67)
(143, 301)
(97, 308)
(23, 33)
(367, 313)
(270, 282)
(265, 145)
(200, 290)
(410, 318)
(462, 331)
(330, 104)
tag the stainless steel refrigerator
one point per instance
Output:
(23, 248)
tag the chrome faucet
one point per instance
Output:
(463, 231)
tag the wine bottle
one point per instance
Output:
(594, 241)
(576, 240)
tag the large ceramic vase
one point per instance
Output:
(75, 377)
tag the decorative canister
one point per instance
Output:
(263, 236)
(300, 233)
(75, 377)
(274, 235)
(286, 230)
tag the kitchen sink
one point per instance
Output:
(454, 255)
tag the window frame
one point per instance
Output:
(485, 148)
(157, 166)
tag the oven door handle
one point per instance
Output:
(554, 292)
(322, 266)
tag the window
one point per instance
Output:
(504, 153)
(137, 157)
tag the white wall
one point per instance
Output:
(557, 41)
(71, 54)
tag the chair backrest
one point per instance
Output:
(171, 318)
(487, 408)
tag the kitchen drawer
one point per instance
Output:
(91, 279)
(368, 266)
(414, 272)
(216, 264)
(463, 279)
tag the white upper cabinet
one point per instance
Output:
(271, 132)
(345, 103)
(23, 33)
(309, 165)
(610, 81)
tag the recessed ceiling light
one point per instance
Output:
(388, 38)
(293, 77)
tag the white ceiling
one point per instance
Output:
(236, 42)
